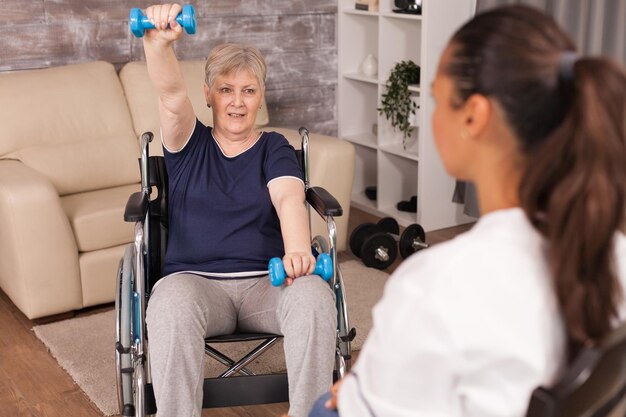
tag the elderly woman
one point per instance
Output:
(236, 200)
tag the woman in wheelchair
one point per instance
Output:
(236, 199)
(472, 326)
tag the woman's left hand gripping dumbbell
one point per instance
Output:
(296, 265)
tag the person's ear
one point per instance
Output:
(206, 95)
(476, 112)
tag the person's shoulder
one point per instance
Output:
(496, 244)
(275, 144)
(274, 139)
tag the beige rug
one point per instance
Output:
(84, 346)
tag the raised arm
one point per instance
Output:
(175, 109)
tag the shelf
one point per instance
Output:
(399, 40)
(380, 157)
(404, 218)
(364, 139)
(360, 12)
(357, 76)
(398, 150)
(407, 16)
(360, 201)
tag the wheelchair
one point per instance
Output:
(140, 268)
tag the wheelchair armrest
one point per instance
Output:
(136, 207)
(323, 202)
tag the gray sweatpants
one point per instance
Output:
(184, 309)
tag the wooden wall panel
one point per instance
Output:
(87, 10)
(20, 11)
(264, 7)
(327, 31)
(297, 69)
(267, 33)
(41, 46)
(312, 107)
(297, 38)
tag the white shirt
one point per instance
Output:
(467, 328)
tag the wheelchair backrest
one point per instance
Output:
(594, 385)
(158, 213)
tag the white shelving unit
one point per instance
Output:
(398, 170)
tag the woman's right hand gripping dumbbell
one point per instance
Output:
(166, 28)
(279, 275)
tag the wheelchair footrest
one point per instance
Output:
(245, 390)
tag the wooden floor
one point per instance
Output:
(32, 384)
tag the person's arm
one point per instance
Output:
(175, 109)
(287, 196)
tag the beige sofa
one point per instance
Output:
(68, 162)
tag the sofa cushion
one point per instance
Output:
(97, 217)
(83, 166)
(97, 274)
(143, 100)
(68, 123)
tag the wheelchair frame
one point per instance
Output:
(137, 269)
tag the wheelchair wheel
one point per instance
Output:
(123, 345)
(319, 244)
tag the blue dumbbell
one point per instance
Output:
(323, 268)
(139, 22)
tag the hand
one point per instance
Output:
(331, 404)
(161, 16)
(298, 264)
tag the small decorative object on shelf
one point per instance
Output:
(408, 6)
(366, 5)
(369, 66)
(361, 4)
(396, 102)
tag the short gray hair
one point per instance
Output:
(233, 57)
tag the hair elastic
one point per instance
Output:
(567, 60)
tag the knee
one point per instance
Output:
(310, 298)
(173, 303)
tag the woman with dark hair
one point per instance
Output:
(472, 326)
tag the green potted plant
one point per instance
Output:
(396, 102)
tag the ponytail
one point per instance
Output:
(574, 192)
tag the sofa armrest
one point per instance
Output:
(331, 167)
(39, 263)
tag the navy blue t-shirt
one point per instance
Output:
(221, 217)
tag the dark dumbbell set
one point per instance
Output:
(376, 243)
